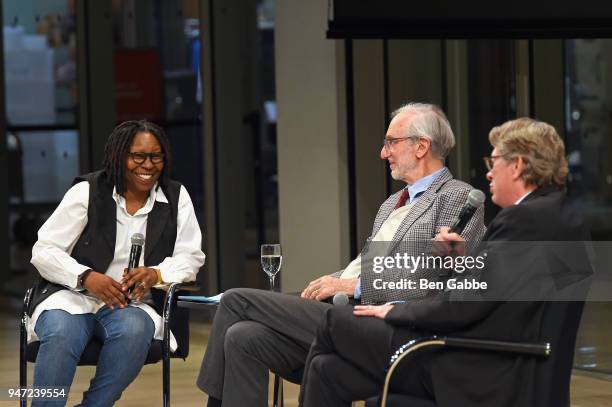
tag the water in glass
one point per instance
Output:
(271, 260)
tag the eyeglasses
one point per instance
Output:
(490, 161)
(388, 143)
(140, 158)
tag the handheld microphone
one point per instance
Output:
(475, 199)
(340, 299)
(138, 241)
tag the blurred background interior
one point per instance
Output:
(275, 129)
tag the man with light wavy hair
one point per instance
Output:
(530, 154)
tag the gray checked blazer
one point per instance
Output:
(438, 206)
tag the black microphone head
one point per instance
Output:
(340, 299)
(138, 239)
(476, 198)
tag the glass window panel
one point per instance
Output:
(588, 125)
(164, 37)
(39, 56)
(49, 163)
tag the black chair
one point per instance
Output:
(175, 319)
(559, 329)
(395, 399)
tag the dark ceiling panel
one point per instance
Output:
(469, 19)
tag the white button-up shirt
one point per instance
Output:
(59, 234)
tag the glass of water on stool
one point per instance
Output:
(271, 259)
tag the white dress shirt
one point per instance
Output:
(59, 234)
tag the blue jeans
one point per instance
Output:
(126, 335)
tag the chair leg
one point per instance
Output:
(168, 302)
(278, 398)
(275, 395)
(166, 380)
(23, 379)
(23, 345)
(23, 362)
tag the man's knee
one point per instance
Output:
(249, 337)
(319, 366)
(237, 296)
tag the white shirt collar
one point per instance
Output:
(156, 194)
(523, 197)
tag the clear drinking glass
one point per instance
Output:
(271, 260)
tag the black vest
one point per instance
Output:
(96, 245)
(95, 248)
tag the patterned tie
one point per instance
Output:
(403, 198)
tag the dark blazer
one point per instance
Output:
(484, 379)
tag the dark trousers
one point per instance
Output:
(255, 331)
(348, 361)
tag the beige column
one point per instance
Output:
(311, 131)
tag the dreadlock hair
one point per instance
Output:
(118, 145)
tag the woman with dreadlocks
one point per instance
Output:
(84, 292)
